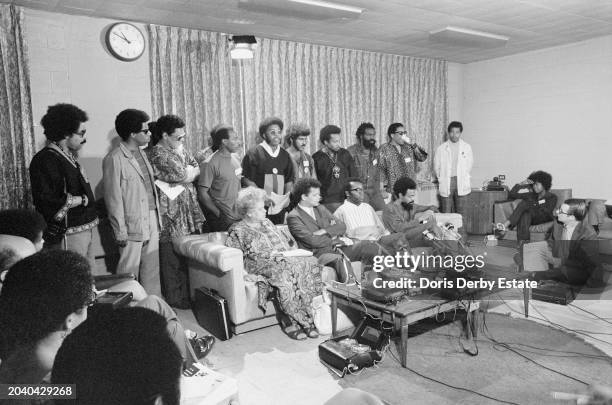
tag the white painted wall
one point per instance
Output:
(549, 109)
(455, 91)
(69, 63)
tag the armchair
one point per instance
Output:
(503, 209)
(213, 265)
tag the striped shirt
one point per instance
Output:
(361, 221)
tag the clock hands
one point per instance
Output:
(122, 37)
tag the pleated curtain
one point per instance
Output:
(16, 126)
(193, 75)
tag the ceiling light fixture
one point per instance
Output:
(466, 37)
(242, 46)
(327, 4)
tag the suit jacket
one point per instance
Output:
(581, 252)
(302, 226)
(125, 194)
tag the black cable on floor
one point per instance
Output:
(451, 386)
(489, 335)
(578, 332)
(537, 350)
(589, 312)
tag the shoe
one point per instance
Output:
(499, 230)
(311, 332)
(202, 345)
(296, 333)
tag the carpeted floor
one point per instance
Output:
(271, 369)
(496, 371)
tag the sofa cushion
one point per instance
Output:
(214, 254)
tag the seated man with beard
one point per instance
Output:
(403, 215)
(362, 222)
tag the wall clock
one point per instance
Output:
(125, 41)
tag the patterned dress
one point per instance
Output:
(181, 216)
(297, 279)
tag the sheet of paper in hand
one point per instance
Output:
(172, 191)
(280, 202)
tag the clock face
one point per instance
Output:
(125, 41)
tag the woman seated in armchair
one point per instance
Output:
(536, 207)
(297, 280)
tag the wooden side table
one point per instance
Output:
(400, 315)
(479, 210)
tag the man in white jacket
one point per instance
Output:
(453, 163)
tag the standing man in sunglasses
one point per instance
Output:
(398, 157)
(132, 202)
(60, 188)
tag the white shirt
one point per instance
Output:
(308, 210)
(361, 221)
(268, 149)
(568, 231)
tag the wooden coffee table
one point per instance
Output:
(414, 308)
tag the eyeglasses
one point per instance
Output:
(401, 132)
(81, 133)
(561, 212)
(273, 132)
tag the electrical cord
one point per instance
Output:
(576, 331)
(590, 313)
(450, 385)
(537, 350)
(544, 318)
(489, 335)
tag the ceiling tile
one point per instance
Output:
(394, 26)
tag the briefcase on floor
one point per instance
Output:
(555, 292)
(211, 312)
(110, 301)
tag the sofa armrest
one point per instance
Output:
(219, 268)
(210, 254)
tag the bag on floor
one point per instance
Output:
(321, 306)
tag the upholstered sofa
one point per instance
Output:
(213, 265)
